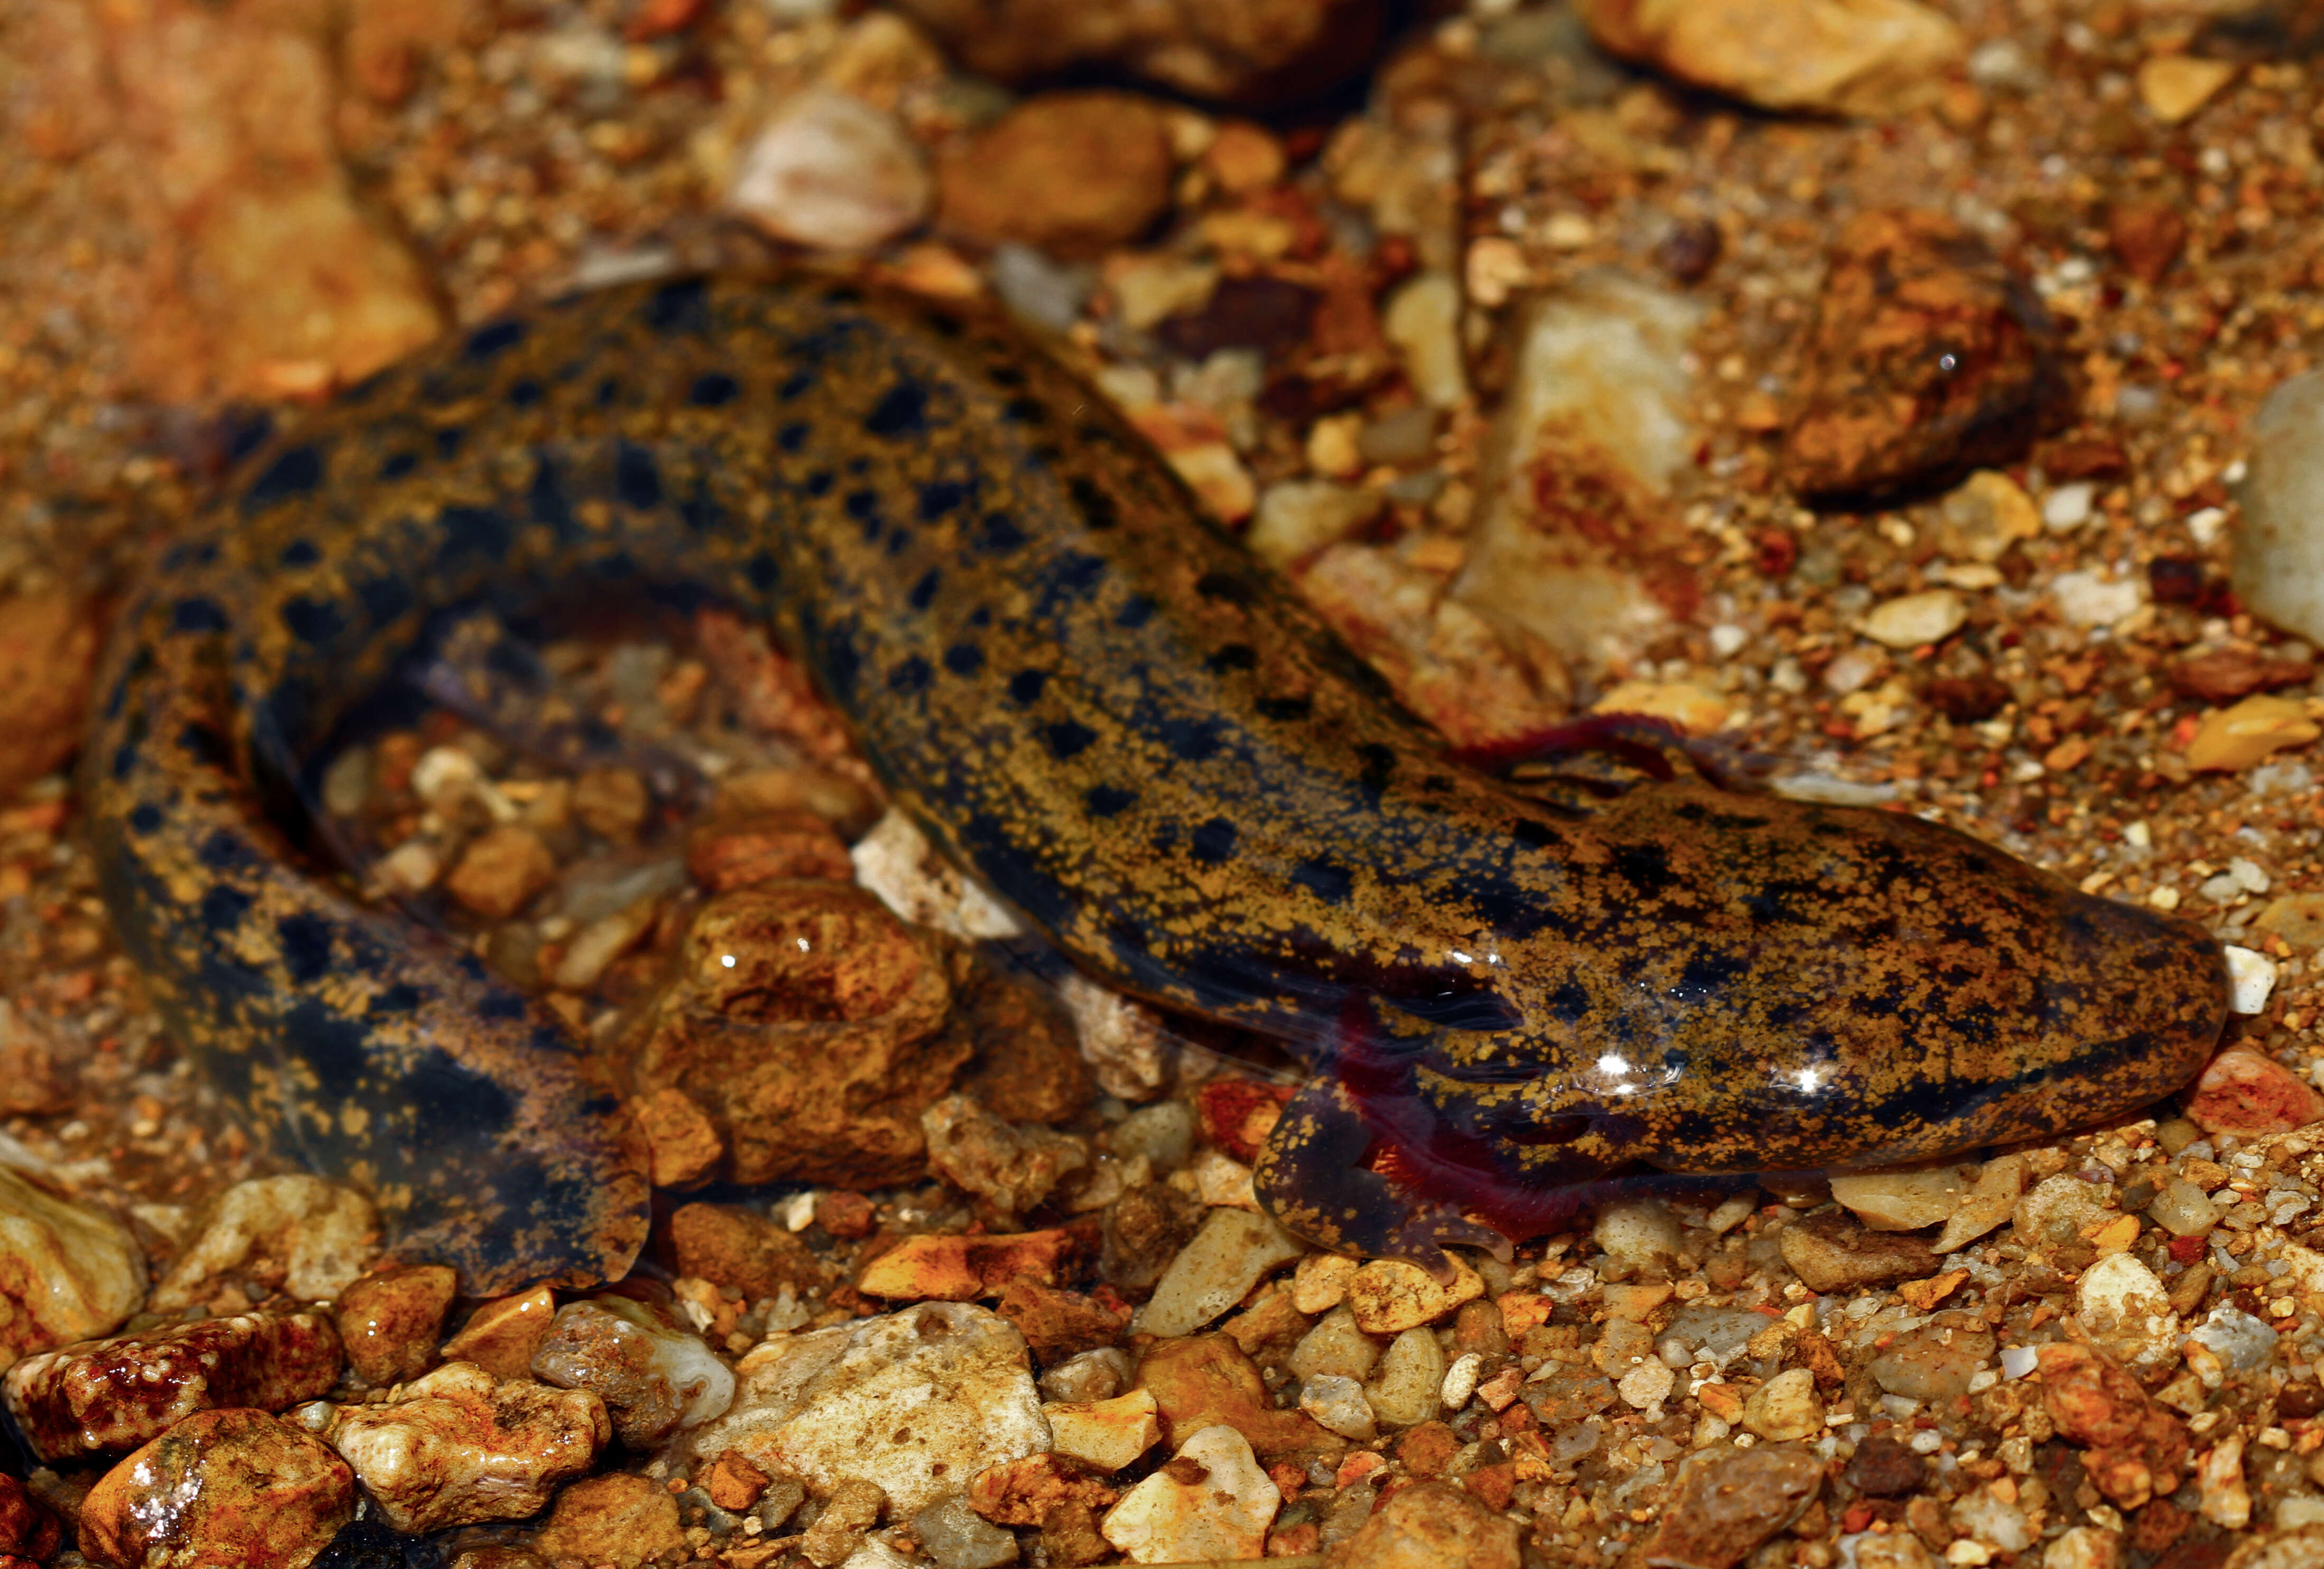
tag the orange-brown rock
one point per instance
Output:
(733, 1246)
(502, 1335)
(1026, 1492)
(1071, 174)
(618, 1518)
(26, 1529)
(735, 1484)
(500, 871)
(1927, 358)
(390, 1320)
(2238, 670)
(1206, 1378)
(682, 1143)
(1259, 51)
(1056, 1324)
(1029, 1066)
(724, 853)
(221, 1489)
(1431, 1523)
(961, 1269)
(2134, 1449)
(808, 1022)
(2148, 235)
(2247, 1094)
(48, 654)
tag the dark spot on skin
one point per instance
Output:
(398, 465)
(700, 513)
(1330, 883)
(500, 1005)
(714, 389)
(300, 553)
(1000, 534)
(524, 394)
(223, 908)
(911, 677)
(939, 497)
(447, 442)
(1026, 686)
(923, 592)
(330, 1045)
(545, 500)
(1535, 835)
(796, 385)
(1025, 411)
(637, 478)
(398, 998)
(221, 851)
(1076, 574)
(902, 411)
(385, 599)
(683, 306)
(306, 943)
(792, 436)
(1463, 1008)
(863, 506)
(472, 531)
(145, 818)
(840, 662)
(1709, 976)
(819, 483)
(1233, 656)
(1136, 611)
(1285, 710)
(963, 659)
(493, 340)
(1645, 866)
(763, 572)
(1226, 587)
(453, 1102)
(1067, 738)
(290, 475)
(125, 761)
(1110, 801)
(206, 746)
(1214, 843)
(197, 615)
(1097, 508)
(1193, 740)
(313, 622)
(1379, 767)
(1569, 1003)
(609, 392)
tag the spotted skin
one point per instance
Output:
(1125, 726)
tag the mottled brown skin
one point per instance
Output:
(1126, 727)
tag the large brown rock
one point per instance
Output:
(1071, 174)
(1245, 50)
(1928, 357)
(808, 1022)
(1846, 57)
(728, 1245)
(1427, 1524)
(222, 1490)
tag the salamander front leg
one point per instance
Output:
(1312, 1178)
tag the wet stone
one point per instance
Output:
(1204, 1380)
(306, 1237)
(1883, 1467)
(459, 1447)
(67, 1271)
(618, 1518)
(1428, 1524)
(738, 1247)
(1069, 174)
(1105, 1435)
(1724, 1503)
(655, 1377)
(219, 1490)
(830, 171)
(502, 1334)
(1931, 1363)
(502, 871)
(27, 1530)
(1014, 1168)
(390, 1320)
(2135, 1450)
(957, 1537)
(1258, 51)
(107, 1396)
(1212, 1273)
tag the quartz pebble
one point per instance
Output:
(1211, 1274)
(311, 1235)
(236, 1487)
(1211, 1500)
(1915, 619)
(2127, 1312)
(2229, 738)
(1298, 516)
(459, 1447)
(1785, 1408)
(654, 1376)
(2278, 549)
(67, 1271)
(1338, 1403)
(914, 1401)
(107, 1396)
(2251, 977)
(1104, 1434)
(957, 1537)
(2172, 86)
(832, 172)
(1404, 1388)
(1335, 1345)
(2237, 1339)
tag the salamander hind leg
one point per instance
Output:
(1312, 1178)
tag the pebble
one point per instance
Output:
(829, 172)
(320, 1237)
(1929, 1364)
(502, 1334)
(655, 1377)
(502, 870)
(1985, 516)
(1638, 1231)
(2184, 1210)
(957, 1537)
(1913, 621)
(1105, 1435)
(2085, 1547)
(895, 860)
(2231, 738)
(108, 1396)
(1785, 1408)
(222, 1490)
(2068, 507)
(1834, 1252)
(1274, 51)
(2236, 1338)
(1299, 516)
(2136, 1451)
(1426, 1525)
(1210, 1501)
(1212, 1273)
(1013, 1167)
(2094, 598)
(1724, 1503)
(48, 656)
(459, 1447)
(2251, 977)
(1070, 174)
(2248, 1095)
(2124, 1306)
(1422, 321)
(67, 1271)
(1902, 1201)
(1388, 1296)
(2278, 570)
(2219, 1477)
(1868, 58)
(915, 1402)
(2173, 87)
(743, 1249)
(1335, 1345)
(1208, 1378)
(1404, 1390)
(1088, 1377)
(619, 1519)
(1337, 1402)
(390, 1320)
(961, 1269)
(1647, 1384)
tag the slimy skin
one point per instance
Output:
(1125, 726)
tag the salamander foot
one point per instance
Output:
(1312, 1178)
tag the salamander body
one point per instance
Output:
(1124, 725)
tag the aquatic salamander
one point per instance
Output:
(1125, 726)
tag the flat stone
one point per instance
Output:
(1724, 1503)
(502, 1334)
(1201, 1380)
(221, 1489)
(1105, 1435)
(1210, 1501)
(1212, 1272)
(2172, 86)
(67, 1271)
(1833, 1252)
(1869, 58)
(390, 1320)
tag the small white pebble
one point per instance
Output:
(2068, 507)
(2251, 977)
(2138, 836)
(411, 867)
(2236, 473)
(2205, 525)
(1928, 1441)
(1727, 639)
(2248, 874)
(798, 1211)
(2164, 898)
(2017, 1361)
(1460, 1380)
